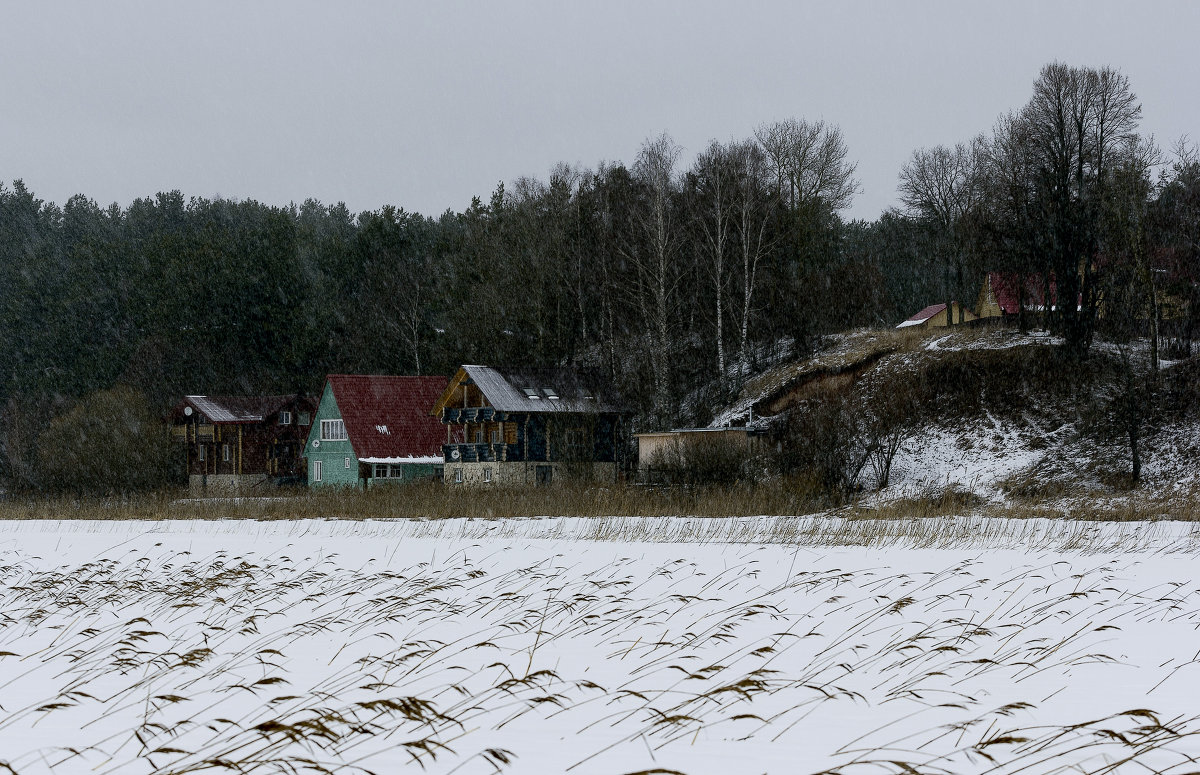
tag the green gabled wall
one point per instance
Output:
(332, 454)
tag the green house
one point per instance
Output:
(375, 429)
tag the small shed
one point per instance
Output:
(374, 430)
(934, 316)
(674, 447)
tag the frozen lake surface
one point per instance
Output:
(599, 646)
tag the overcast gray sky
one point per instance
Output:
(424, 105)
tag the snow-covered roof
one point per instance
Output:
(923, 315)
(715, 429)
(240, 409)
(580, 391)
(410, 460)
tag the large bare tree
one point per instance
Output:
(809, 162)
(1076, 121)
(942, 185)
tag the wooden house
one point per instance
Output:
(530, 426)
(373, 430)
(934, 316)
(237, 444)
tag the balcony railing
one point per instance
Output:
(480, 453)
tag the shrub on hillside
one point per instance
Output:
(111, 442)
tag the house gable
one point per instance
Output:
(332, 455)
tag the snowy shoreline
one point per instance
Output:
(963, 532)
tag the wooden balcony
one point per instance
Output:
(480, 453)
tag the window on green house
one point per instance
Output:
(316, 470)
(347, 462)
(333, 430)
(381, 470)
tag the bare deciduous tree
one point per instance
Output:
(942, 185)
(1076, 121)
(656, 270)
(751, 212)
(809, 162)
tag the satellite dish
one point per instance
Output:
(455, 454)
(316, 443)
(187, 411)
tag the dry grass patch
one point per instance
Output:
(438, 501)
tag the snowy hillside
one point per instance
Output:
(991, 430)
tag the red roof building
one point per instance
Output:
(375, 427)
(935, 315)
(1002, 294)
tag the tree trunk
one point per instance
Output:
(1135, 457)
(1153, 325)
(1022, 321)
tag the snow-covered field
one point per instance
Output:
(599, 646)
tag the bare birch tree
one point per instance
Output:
(656, 270)
(751, 213)
(713, 208)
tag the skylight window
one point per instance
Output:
(531, 394)
(551, 393)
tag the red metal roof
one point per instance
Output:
(926, 313)
(388, 417)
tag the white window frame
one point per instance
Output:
(285, 418)
(333, 430)
(458, 476)
(487, 474)
(317, 470)
(379, 471)
(200, 455)
(347, 462)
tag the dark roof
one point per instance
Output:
(222, 410)
(388, 417)
(562, 389)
